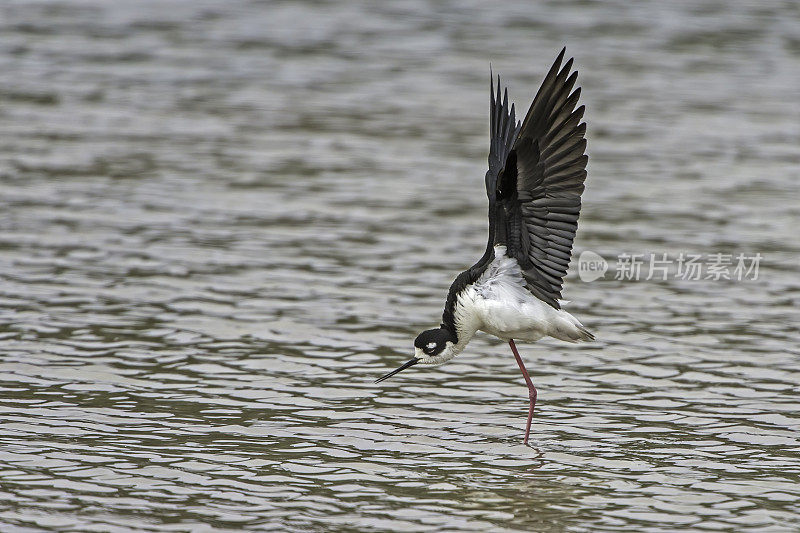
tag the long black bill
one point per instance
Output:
(393, 372)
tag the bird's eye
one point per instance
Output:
(430, 347)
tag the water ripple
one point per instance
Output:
(220, 225)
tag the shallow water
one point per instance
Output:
(221, 224)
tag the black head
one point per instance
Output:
(433, 341)
(431, 347)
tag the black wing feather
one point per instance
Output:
(535, 180)
(504, 129)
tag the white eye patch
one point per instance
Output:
(430, 346)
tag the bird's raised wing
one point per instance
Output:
(535, 180)
(504, 128)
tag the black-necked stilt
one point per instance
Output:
(534, 182)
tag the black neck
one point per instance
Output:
(468, 277)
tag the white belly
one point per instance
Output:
(499, 304)
(522, 322)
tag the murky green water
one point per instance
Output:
(220, 222)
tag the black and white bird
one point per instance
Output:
(535, 179)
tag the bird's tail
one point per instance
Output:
(586, 335)
(568, 328)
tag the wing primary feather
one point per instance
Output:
(545, 85)
(577, 133)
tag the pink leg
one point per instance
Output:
(531, 388)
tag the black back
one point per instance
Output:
(503, 131)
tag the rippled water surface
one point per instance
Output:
(222, 221)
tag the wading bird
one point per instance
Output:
(534, 183)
